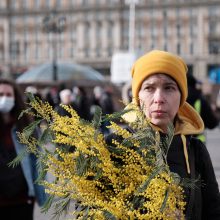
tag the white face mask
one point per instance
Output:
(6, 104)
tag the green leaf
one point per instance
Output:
(24, 112)
(61, 206)
(176, 177)
(42, 170)
(163, 206)
(138, 202)
(15, 162)
(45, 137)
(191, 183)
(115, 115)
(154, 173)
(85, 213)
(166, 141)
(47, 205)
(30, 96)
(82, 164)
(97, 118)
(29, 130)
(115, 150)
(108, 215)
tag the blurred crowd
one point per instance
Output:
(80, 99)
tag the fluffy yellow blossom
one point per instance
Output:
(126, 178)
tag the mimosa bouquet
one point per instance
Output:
(124, 176)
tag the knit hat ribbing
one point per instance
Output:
(158, 61)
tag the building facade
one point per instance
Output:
(95, 29)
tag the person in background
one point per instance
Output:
(102, 98)
(53, 96)
(66, 98)
(82, 102)
(33, 90)
(18, 190)
(201, 105)
(159, 88)
(126, 93)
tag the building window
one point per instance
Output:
(86, 35)
(212, 26)
(110, 51)
(98, 37)
(214, 47)
(14, 49)
(51, 52)
(110, 29)
(72, 41)
(47, 3)
(72, 51)
(72, 3)
(84, 2)
(178, 30)
(98, 52)
(14, 4)
(36, 44)
(37, 3)
(98, 2)
(213, 11)
(26, 51)
(58, 3)
(25, 4)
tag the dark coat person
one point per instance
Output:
(18, 187)
(197, 100)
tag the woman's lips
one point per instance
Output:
(159, 112)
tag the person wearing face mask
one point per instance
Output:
(18, 190)
(159, 88)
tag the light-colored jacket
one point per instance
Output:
(29, 168)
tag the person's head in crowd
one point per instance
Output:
(66, 96)
(98, 91)
(33, 90)
(11, 102)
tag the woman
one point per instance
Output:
(159, 87)
(17, 188)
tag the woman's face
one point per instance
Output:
(159, 97)
(6, 90)
(7, 100)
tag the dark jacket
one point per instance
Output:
(205, 198)
(61, 111)
(207, 114)
(189, 157)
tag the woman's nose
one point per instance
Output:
(159, 96)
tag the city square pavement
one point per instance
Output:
(213, 145)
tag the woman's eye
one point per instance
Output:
(169, 87)
(148, 88)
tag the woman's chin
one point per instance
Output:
(162, 124)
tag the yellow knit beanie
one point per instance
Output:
(158, 61)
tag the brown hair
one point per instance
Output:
(18, 107)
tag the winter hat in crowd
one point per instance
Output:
(158, 61)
